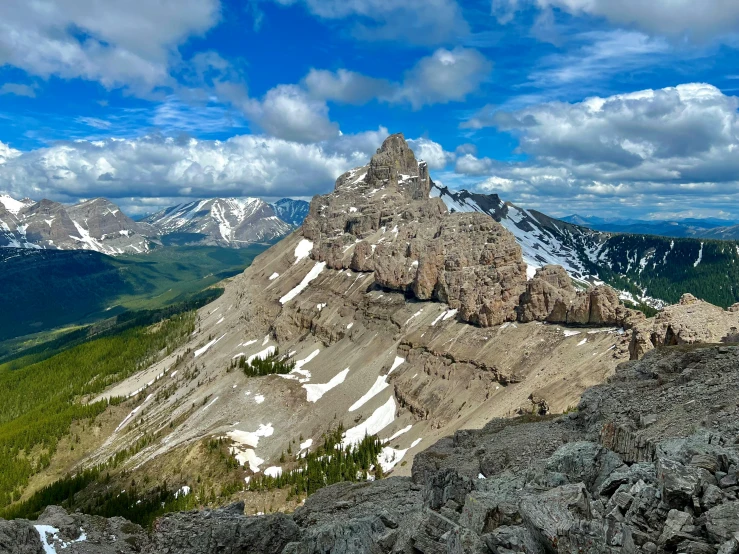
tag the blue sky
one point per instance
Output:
(587, 106)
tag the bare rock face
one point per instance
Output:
(548, 296)
(690, 321)
(551, 297)
(380, 219)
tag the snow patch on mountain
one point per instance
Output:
(582, 252)
(233, 222)
(314, 392)
(96, 225)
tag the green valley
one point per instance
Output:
(44, 290)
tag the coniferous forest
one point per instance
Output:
(269, 365)
(330, 463)
(39, 400)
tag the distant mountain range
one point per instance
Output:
(291, 211)
(639, 258)
(99, 225)
(229, 222)
(709, 228)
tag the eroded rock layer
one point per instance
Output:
(380, 219)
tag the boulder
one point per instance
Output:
(722, 522)
(225, 531)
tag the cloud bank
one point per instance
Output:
(152, 171)
(129, 44)
(661, 148)
(701, 21)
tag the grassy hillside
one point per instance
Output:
(42, 290)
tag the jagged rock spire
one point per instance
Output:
(395, 162)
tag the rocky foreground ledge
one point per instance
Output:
(648, 463)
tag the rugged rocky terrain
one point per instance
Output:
(93, 225)
(392, 308)
(648, 463)
(404, 320)
(411, 323)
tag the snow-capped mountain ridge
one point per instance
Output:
(231, 222)
(640, 266)
(12, 205)
(291, 211)
(96, 224)
(543, 240)
(100, 225)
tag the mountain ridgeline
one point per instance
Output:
(230, 222)
(99, 225)
(708, 228)
(644, 268)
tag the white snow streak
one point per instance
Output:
(312, 274)
(700, 256)
(303, 250)
(316, 391)
(379, 386)
(263, 354)
(396, 363)
(205, 348)
(401, 432)
(380, 418)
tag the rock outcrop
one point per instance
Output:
(380, 219)
(550, 296)
(690, 321)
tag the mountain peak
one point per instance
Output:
(12, 205)
(396, 164)
(233, 222)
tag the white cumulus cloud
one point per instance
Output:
(289, 113)
(445, 76)
(663, 148)
(442, 77)
(701, 20)
(131, 43)
(150, 171)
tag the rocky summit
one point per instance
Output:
(381, 219)
(424, 328)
